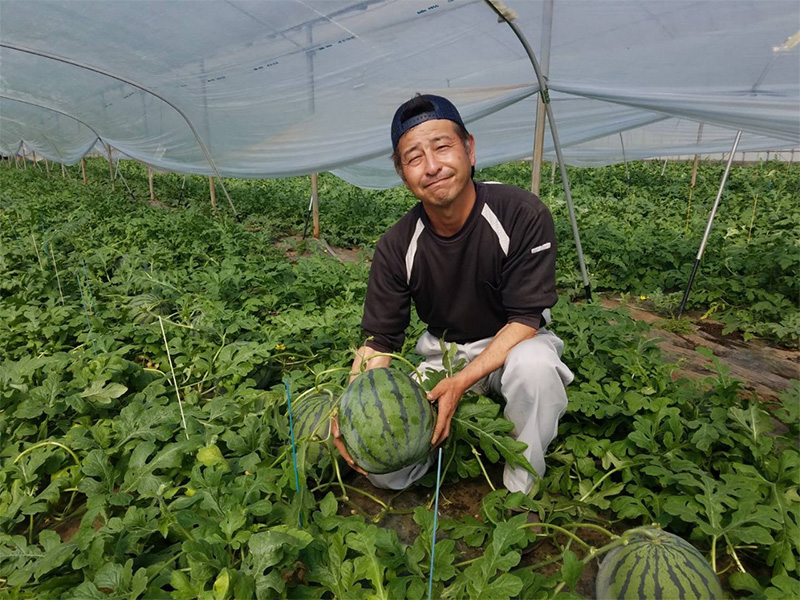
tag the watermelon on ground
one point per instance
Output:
(311, 421)
(656, 565)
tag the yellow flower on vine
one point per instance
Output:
(280, 347)
(642, 297)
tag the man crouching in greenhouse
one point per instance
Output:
(478, 260)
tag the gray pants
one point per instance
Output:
(532, 382)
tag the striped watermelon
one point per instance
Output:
(656, 565)
(311, 422)
(385, 420)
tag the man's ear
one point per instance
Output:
(471, 150)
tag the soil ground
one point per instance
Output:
(762, 368)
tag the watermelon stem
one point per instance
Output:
(325, 372)
(714, 553)
(450, 458)
(622, 466)
(591, 526)
(483, 469)
(559, 529)
(735, 556)
(389, 510)
(338, 473)
(354, 506)
(375, 499)
(547, 562)
(622, 540)
(280, 457)
(398, 357)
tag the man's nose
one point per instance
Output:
(432, 164)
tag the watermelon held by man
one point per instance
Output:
(385, 420)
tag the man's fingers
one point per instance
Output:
(346, 455)
(339, 443)
(439, 437)
(437, 430)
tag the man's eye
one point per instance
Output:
(414, 160)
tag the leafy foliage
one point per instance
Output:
(114, 486)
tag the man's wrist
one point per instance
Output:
(463, 380)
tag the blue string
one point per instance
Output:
(435, 521)
(294, 449)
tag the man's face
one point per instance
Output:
(437, 167)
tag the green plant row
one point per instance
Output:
(641, 226)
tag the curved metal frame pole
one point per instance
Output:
(139, 86)
(709, 224)
(55, 110)
(508, 18)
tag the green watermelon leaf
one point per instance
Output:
(571, 568)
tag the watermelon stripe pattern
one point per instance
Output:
(656, 565)
(311, 418)
(385, 420)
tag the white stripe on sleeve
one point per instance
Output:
(494, 223)
(412, 248)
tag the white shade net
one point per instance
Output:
(292, 87)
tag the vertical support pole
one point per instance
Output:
(83, 170)
(694, 177)
(625, 159)
(24, 161)
(315, 203)
(710, 223)
(694, 170)
(150, 183)
(35, 162)
(537, 159)
(110, 166)
(63, 171)
(47, 167)
(213, 191)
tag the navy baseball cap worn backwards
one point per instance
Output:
(438, 108)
